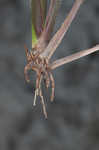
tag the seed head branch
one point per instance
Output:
(54, 43)
(73, 57)
(50, 19)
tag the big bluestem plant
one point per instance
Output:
(44, 45)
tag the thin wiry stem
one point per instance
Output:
(49, 12)
(73, 57)
(50, 19)
(54, 43)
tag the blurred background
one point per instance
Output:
(73, 117)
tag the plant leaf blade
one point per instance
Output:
(38, 8)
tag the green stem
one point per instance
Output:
(34, 37)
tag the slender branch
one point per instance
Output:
(49, 13)
(50, 19)
(54, 43)
(73, 57)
